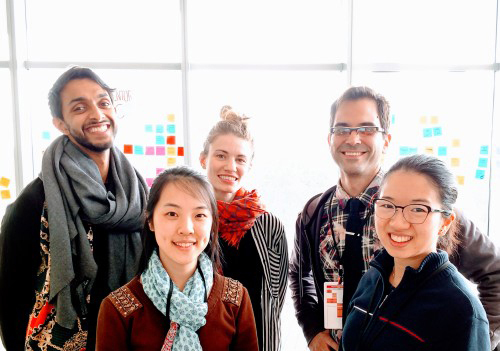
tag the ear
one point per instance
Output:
(60, 125)
(330, 139)
(446, 224)
(151, 226)
(387, 141)
(203, 160)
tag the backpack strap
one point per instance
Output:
(314, 204)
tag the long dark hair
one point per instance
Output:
(436, 171)
(194, 184)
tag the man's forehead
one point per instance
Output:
(84, 88)
(357, 112)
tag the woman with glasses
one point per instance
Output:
(412, 297)
(252, 240)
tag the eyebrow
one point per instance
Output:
(171, 204)
(225, 152)
(368, 124)
(81, 98)
(413, 200)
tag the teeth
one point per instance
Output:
(227, 178)
(102, 128)
(400, 238)
(184, 244)
(353, 153)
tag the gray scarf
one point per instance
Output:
(75, 193)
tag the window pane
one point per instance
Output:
(448, 115)
(495, 173)
(149, 115)
(7, 162)
(4, 37)
(228, 31)
(427, 31)
(114, 30)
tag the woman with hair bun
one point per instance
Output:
(412, 297)
(252, 240)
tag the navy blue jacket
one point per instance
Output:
(440, 314)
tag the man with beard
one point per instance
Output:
(335, 238)
(73, 234)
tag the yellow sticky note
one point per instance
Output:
(460, 180)
(171, 117)
(5, 194)
(455, 162)
(171, 161)
(455, 143)
(423, 119)
(4, 181)
(429, 150)
(171, 151)
(434, 120)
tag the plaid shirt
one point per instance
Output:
(339, 214)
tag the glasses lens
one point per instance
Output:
(384, 209)
(341, 131)
(367, 131)
(415, 213)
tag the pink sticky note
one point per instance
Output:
(149, 181)
(159, 170)
(150, 150)
(160, 150)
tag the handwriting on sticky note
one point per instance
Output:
(429, 150)
(138, 150)
(171, 128)
(460, 180)
(484, 150)
(427, 132)
(483, 163)
(455, 162)
(442, 151)
(160, 140)
(480, 174)
(437, 131)
(159, 128)
(4, 182)
(455, 143)
(5, 194)
(171, 151)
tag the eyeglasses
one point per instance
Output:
(363, 131)
(413, 213)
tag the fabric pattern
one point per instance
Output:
(188, 307)
(238, 216)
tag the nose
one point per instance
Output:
(186, 226)
(398, 220)
(230, 164)
(96, 112)
(353, 138)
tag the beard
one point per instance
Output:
(95, 147)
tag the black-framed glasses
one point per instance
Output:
(363, 130)
(413, 213)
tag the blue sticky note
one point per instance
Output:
(404, 150)
(393, 119)
(483, 163)
(160, 140)
(484, 150)
(159, 128)
(148, 128)
(480, 173)
(442, 151)
(427, 132)
(412, 150)
(46, 135)
(138, 150)
(171, 128)
(438, 131)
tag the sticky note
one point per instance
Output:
(429, 150)
(455, 162)
(180, 151)
(171, 161)
(171, 117)
(171, 151)
(150, 150)
(5, 194)
(480, 173)
(442, 151)
(460, 180)
(171, 128)
(434, 120)
(159, 170)
(148, 128)
(484, 150)
(160, 140)
(483, 163)
(160, 150)
(4, 181)
(138, 150)
(455, 143)
(437, 131)
(412, 150)
(171, 140)
(404, 150)
(159, 128)
(427, 132)
(128, 149)
(423, 120)
(393, 119)
(46, 135)
(149, 182)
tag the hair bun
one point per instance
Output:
(228, 114)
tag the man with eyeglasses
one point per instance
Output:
(335, 235)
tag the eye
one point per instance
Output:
(418, 209)
(220, 156)
(106, 103)
(241, 160)
(171, 214)
(79, 108)
(201, 215)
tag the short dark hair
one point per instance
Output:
(75, 72)
(357, 93)
(437, 172)
(192, 183)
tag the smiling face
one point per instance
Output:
(410, 243)
(88, 116)
(227, 162)
(181, 224)
(354, 154)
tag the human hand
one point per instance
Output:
(323, 342)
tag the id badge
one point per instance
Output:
(333, 295)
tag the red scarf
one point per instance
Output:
(239, 215)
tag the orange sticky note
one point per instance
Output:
(128, 149)
(4, 181)
(171, 117)
(171, 161)
(434, 120)
(5, 194)
(460, 180)
(455, 143)
(180, 151)
(455, 162)
(423, 119)
(171, 151)
(429, 150)
(171, 140)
